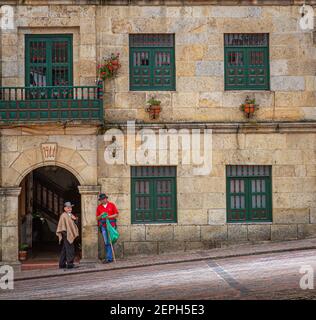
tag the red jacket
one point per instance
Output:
(110, 210)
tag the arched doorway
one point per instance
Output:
(43, 192)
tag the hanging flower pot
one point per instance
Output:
(108, 69)
(249, 106)
(154, 108)
(154, 111)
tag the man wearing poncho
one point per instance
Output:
(67, 232)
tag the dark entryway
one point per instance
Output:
(44, 191)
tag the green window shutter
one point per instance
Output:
(153, 194)
(141, 69)
(152, 62)
(48, 60)
(249, 193)
(143, 200)
(165, 205)
(236, 68)
(236, 200)
(247, 62)
(163, 71)
(260, 199)
(258, 70)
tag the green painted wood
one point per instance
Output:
(141, 74)
(152, 68)
(157, 193)
(250, 198)
(49, 94)
(51, 56)
(32, 104)
(247, 67)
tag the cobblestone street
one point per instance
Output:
(265, 276)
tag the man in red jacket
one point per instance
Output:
(108, 207)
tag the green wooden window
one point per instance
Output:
(249, 195)
(48, 60)
(247, 61)
(152, 62)
(154, 195)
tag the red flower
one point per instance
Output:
(109, 68)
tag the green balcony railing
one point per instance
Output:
(51, 104)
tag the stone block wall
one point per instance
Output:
(22, 152)
(201, 200)
(199, 32)
(56, 19)
(199, 97)
(199, 50)
(2, 204)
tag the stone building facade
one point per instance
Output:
(281, 134)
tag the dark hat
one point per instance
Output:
(102, 196)
(68, 204)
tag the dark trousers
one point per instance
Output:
(67, 252)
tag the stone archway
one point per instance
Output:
(44, 190)
(48, 154)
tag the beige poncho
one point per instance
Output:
(67, 224)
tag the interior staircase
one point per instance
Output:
(48, 198)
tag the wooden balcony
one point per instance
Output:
(51, 104)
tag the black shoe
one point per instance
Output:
(72, 266)
(62, 267)
(107, 261)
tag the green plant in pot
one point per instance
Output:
(154, 108)
(23, 252)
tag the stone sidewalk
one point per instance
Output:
(176, 257)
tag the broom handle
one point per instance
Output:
(113, 253)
